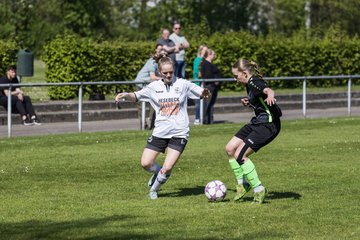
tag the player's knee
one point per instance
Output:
(145, 164)
(230, 150)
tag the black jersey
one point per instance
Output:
(263, 112)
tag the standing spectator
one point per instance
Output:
(210, 71)
(19, 102)
(169, 98)
(168, 45)
(197, 75)
(182, 43)
(148, 73)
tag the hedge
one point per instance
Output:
(8, 52)
(72, 59)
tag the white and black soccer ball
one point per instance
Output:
(215, 190)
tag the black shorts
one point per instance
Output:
(160, 144)
(257, 136)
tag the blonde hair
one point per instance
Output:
(164, 61)
(208, 52)
(248, 65)
(200, 50)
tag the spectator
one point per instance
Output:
(20, 103)
(148, 73)
(210, 71)
(197, 75)
(182, 43)
(168, 45)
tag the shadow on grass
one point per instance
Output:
(198, 190)
(272, 195)
(77, 229)
(282, 195)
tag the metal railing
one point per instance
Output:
(82, 84)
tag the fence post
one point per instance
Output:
(304, 97)
(201, 106)
(349, 97)
(143, 115)
(9, 111)
(80, 108)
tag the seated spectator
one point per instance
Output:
(148, 73)
(20, 103)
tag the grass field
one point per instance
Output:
(91, 186)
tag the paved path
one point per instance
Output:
(133, 124)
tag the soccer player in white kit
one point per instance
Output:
(168, 97)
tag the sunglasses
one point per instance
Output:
(177, 28)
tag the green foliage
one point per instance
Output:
(8, 51)
(73, 59)
(91, 186)
(33, 23)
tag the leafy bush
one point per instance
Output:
(73, 59)
(8, 51)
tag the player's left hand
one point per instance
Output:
(205, 94)
(270, 100)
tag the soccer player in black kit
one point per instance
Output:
(261, 130)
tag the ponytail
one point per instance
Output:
(248, 65)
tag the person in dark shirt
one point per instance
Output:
(20, 103)
(168, 45)
(209, 70)
(261, 130)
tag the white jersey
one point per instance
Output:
(170, 105)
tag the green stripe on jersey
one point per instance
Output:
(266, 109)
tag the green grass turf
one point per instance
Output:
(91, 186)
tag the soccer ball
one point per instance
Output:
(215, 191)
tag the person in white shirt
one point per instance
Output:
(168, 97)
(182, 44)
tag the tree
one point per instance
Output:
(345, 14)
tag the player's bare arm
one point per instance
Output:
(270, 100)
(124, 96)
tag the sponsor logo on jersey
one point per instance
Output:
(159, 91)
(169, 106)
(177, 90)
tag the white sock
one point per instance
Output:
(160, 180)
(240, 181)
(258, 188)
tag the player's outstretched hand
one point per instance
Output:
(205, 94)
(245, 101)
(121, 97)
